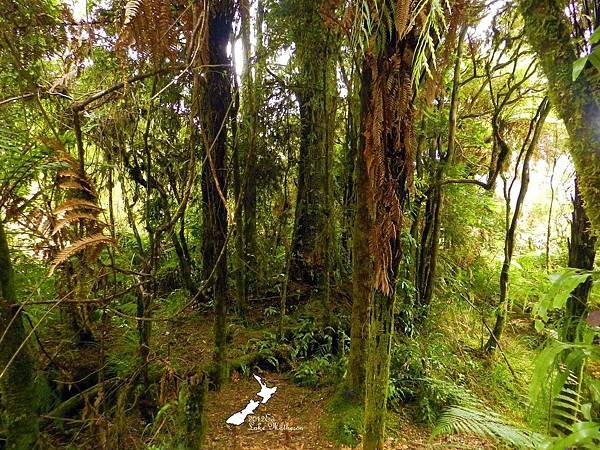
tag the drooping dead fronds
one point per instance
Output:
(74, 223)
(388, 152)
(149, 26)
(90, 241)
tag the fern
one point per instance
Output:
(432, 28)
(131, 10)
(77, 204)
(75, 216)
(480, 420)
(78, 246)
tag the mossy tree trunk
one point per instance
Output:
(362, 274)
(193, 416)
(215, 102)
(315, 52)
(246, 155)
(582, 253)
(387, 155)
(548, 32)
(17, 371)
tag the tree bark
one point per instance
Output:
(582, 252)
(215, 102)
(362, 273)
(19, 399)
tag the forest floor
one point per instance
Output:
(301, 411)
(295, 417)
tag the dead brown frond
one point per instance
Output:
(149, 26)
(388, 155)
(77, 204)
(96, 241)
(75, 217)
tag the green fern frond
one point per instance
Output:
(481, 421)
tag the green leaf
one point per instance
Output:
(583, 433)
(595, 37)
(560, 291)
(578, 66)
(594, 58)
(586, 411)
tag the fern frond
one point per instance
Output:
(78, 246)
(74, 217)
(75, 204)
(481, 421)
(75, 185)
(131, 10)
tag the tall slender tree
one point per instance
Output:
(214, 105)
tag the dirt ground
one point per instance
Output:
(292, 420)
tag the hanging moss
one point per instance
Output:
(548, 33)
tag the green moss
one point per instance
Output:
(549, 35)
(17, 385)
(343, 421)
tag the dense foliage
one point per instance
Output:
(389, 207)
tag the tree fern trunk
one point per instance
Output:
(381, 329)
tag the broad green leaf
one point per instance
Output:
(578, 66)
(595, 37)
(594, 58)
(560, 291)
(583, 433)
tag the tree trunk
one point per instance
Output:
(17, 373)
(193, 416)
(317, 85)
(549, 223)
(582, 252)
(362, 274)
(428, 255)
(529, 146)
(388, 157)
(351, 144)
(549, 35)
(215, 99)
